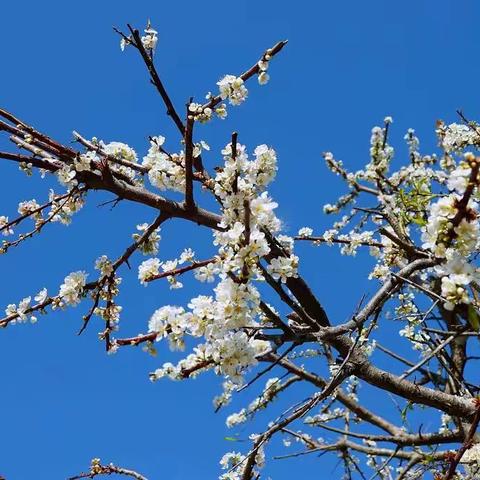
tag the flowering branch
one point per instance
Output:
(189, 201)
(155, 79)
(98, 469)
(181, 270)
(423, 233)
(252, 71)
(466, 444)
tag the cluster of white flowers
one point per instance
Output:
(456, 273)
(332, 414)
(229, 350)
(149, 246)
(28, 207)
(220, 319)
(84, 161)
(204, 113)
(200, 113)
(22, 312)
(471, 460)
(365, 344)
(27, 168)
(150, 39)
(207, 273)
(67, 176)
(305, 232)
(453, 235)
(455, 137)
(166, 172)
(439, 231)
(282, 268)
(263, 76)
(272, 387)
(235, 352)
(151, 268)
(72, 288)
(235, 462)
(115, 152)
(148, 269)
(233, 88)
(228, 388)
(381, 152)
(188, 255)
(413, 203)
(104, 266)
(111, 311)
(5, 228)
(62, 210)
(107, 290)
(169, 266)
(408, 311)
(239, 185)
(120, 151)
(171, 322)
(389, 256)
(352, 383)
(407, 308)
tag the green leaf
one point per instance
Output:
(231, 439)
(419, 221)
(473, 318)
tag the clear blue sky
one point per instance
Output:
(347, 65)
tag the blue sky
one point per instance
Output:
(348, 64)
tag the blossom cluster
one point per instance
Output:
(221, 319)
(166, 172)
(425, 210)
(72, 288)
(233, 89)
(428, 208)
(23, 312)
(272, 387)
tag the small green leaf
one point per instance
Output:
(405, 410)
(473, 318)
(231, 439)
(419, 221)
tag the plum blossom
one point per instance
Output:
(164, 171)
(72, 288)
(104, 265)
(207, 273)
(148, 269)
(121, 151)
(305, 232)
(455, 137)
(282, 268)
(150, 39)
(41, 296)
(5, 229)
(149, 246)
(233, 88)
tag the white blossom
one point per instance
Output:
(150, 39)
(148, 269)
(6, 230)
(71, 290)
(305, 232)
(41, 296)
(233, 88)
(282, 268)
(104, 265)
